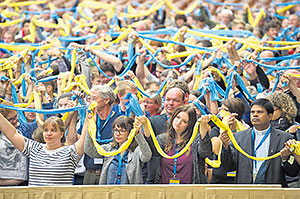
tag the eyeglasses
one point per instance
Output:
(121, 132)
(92, 98)
(13, 118)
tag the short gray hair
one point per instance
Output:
(105, 92)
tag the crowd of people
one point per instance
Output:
(127, 94)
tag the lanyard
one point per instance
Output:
(260, 143)
(175, 162)
(168, 120)
(120, 166)
(99, 130)
(120, 110)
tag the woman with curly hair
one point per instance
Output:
(284, 115)
(285, 112)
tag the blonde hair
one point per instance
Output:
(125, 85)
(285, 103)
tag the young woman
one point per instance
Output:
(124, 168)
(190, 167)
(51, 163)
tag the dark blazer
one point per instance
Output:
(275, 169)
(159, 124)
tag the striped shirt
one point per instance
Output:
(50, 167)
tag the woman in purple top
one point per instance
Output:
(190, 167)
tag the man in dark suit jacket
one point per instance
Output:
(259, 141)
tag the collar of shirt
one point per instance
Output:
(263, 132)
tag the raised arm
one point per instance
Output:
(145, 150)
(72, 132)
(80, 143)
(116, 62)
(204, 127)
(11, 133)
(141, 71)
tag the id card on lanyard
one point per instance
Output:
(255, 149)
(174, 179)
(120, 158)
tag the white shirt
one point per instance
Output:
(263, 150)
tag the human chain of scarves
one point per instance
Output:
(202, 84)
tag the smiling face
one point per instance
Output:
(273, 33)
(30, 116)
(180, 122)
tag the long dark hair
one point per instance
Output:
(186, 135)
(124, 122)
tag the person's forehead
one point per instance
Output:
(95, 93)
(258, 107)
(50, 125)
(183, 114)
(148, 99)
(63, 100)
(133, 91)
(174, 92)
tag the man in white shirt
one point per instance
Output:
(260, 141)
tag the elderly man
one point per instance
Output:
(104, 96)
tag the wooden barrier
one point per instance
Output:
(122, 192)
(252, 193)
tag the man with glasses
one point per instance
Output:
(152, 105)
(104, 96)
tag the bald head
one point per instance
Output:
(267, 54)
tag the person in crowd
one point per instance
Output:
(13, 165)
(51, 163)
(284, 115)
(152, 105)
(190, 167)
(105, 116)
(260, 141)
(131, 160)
(124, 87)
(234, 109)
(285, 112)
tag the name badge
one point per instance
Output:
(98, 160)
(254, 175)
(174, 181)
